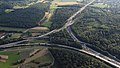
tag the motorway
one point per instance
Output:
(93, 52)
(99, 56)
(11, 44)
(69, 23)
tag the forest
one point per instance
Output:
(22, 18)
(62, 14)
(96, 26)
(100, 28)
(71, 59)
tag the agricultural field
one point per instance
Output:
(15, 35)
(13, 57)
(19, 53)
(52, 8)
(66, 3)
(12, 29)
(101, 5)
(37, 41)
(44, 59)
(40, 28)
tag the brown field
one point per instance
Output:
(40, 28)
(4, 56)
(1, 33)
(35, 51)
(1, 60)
(37, 55)
(42, 0)
(66, 3)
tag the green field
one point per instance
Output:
(46, 58)
(47, 22)
(20, 53)
(13, 57)
(37, 41)
(12, 29)
(101, 5)
(44, 61)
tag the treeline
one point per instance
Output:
(72, 59)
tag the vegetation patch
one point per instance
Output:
(101, 5)
(22, 18)
(13, 57)
(72, 59)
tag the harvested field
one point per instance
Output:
(4, 56)
(1, 60)
(34, 52)
(1, 33)
(65, 3)
(40, 28)
(37, 55)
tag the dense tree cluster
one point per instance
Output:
(64, 39)
(61, 15)
(25, 18)
(72, 59)
(58, 20)
(101, 28)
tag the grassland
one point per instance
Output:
(16, 35)
(18, 53)
(10, 29)
(44, 61)
(13, 57)
(37, 41)
(47, 22)
(101, 5)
